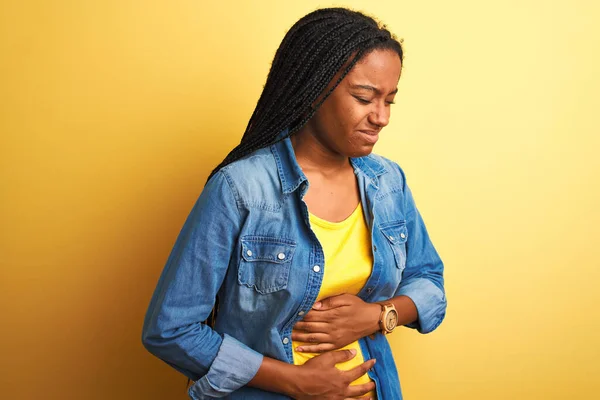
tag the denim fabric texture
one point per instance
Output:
(248, 239)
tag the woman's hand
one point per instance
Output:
(336, 322)
(322, 380)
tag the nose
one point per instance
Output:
(380, 116)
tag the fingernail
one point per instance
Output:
(299, 349)
(353, 352)
(317, 305)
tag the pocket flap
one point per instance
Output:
(274, 250)
(395, 232)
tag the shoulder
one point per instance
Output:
(255, 168)
(253, 177)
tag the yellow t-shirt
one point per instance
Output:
(348, 264)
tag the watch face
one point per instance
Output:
(391, 320)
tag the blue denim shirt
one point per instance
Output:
(248, 239)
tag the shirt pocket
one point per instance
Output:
(396, 235)
(265, 263)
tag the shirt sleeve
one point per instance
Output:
(185, 294)
(422, 278)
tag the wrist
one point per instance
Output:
(279, 377)
(374, 314)
(293, 386)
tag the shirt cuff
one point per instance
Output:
(430, 302)
(234, 366)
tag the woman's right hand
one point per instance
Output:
(319, 378)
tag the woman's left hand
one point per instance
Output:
(335, 322)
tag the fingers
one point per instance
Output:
(316, 327)
(317, 348)
(332, 302)
(341, 356)
(356, 372)
(360, 390)
(315, 316)
(311, 337)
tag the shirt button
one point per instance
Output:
(402, 235)
(286, 340)
(301, 313)
(249, 253)
(392, 238)
(316, 268)
(369, 290)
(281, 256)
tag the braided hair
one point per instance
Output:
(312, 52)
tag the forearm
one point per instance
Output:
(277, 376)
(429, 299)
(406, 308)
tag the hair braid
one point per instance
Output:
(310, 55)
(283, 81)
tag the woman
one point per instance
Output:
(312, 244)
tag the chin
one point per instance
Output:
(361, 151)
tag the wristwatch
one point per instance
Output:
(388, 318)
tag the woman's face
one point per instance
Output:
(349, 121)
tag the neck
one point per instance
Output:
(315, 156)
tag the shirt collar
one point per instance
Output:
(291, 175)
(369, 166)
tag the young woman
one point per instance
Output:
(311, 247)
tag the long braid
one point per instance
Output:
(290, 80)
(271, 93)
(312, 52)
(292, 74)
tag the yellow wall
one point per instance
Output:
(113, 112)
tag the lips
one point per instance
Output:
(370, 136)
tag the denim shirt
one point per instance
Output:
(248, 240)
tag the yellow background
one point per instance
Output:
(112, 114)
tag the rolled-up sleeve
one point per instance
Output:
(234, 366)
(174, 330)
(422, 278)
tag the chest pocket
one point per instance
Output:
(265, 263)
(396, 234)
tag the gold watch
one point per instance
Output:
(388, 320)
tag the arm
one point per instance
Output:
(318, 378)
(339, 320)
(420, 302)
(174, 330)
(185, 294)
(422, 279)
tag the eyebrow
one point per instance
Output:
(372, 88)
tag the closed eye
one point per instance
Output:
(365, 101)
(361, 100)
